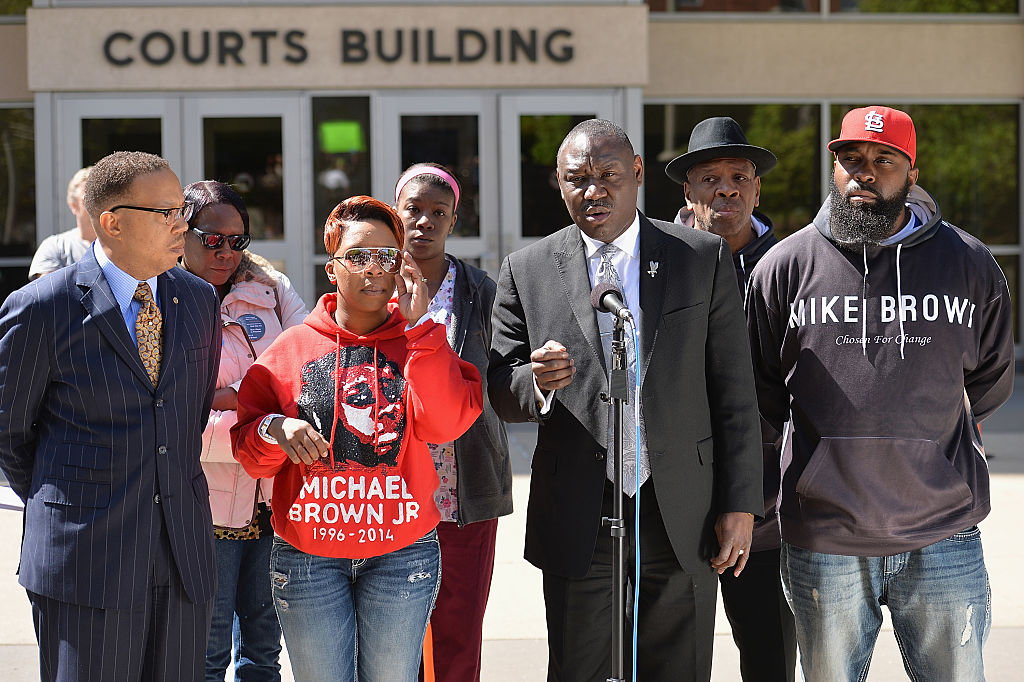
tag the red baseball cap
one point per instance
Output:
(891, 127)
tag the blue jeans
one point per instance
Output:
(938, 597)
(349, 619)
(243, 614)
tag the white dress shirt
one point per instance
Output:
(627, 263)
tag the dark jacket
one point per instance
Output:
(695, 374)
(766, 530)
(746, 258)
(883, 453)
(484, 485)
(102, 458)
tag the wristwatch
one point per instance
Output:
(264, 425)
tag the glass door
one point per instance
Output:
(254, 145)
(458, 131)
(532, 127)
(89, 128)
(483, 137)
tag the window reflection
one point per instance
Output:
(839, 6)
(453, 141)
(543, 210)
(102, 136)
(14, 6)
(968, 160)
(246, 153)
(734, 5)
(926, 6)
(17, 197)
(341, 153)
(790, 193)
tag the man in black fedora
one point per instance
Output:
(721, 178)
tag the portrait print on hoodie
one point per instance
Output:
(365, 405)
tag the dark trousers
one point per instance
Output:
(457, 623)
(677, 609)
(762, 624)
(160, 640)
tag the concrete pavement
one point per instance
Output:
(514, 631)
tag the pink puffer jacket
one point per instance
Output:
(252, 317)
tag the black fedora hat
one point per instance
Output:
(719, 138)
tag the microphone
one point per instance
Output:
(607, 299)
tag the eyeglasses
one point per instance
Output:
(213, 241)
(171, 215)
(358, 260)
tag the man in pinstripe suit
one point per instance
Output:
(117, 554)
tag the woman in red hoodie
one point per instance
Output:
(340, 410)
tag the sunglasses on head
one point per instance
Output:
(358, 260)
(213, 241)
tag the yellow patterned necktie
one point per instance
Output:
(149, 332)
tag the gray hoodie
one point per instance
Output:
(883, 454)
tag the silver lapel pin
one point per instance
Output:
(654, 268)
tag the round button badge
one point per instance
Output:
(255, 328)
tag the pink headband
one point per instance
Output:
(416, 171)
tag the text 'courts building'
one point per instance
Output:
(299, 106)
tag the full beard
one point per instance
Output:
(856, 225)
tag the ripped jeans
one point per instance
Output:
(355, 619)
(938, 596)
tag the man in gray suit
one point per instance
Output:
(699, 463)
(107, 372)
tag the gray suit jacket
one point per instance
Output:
(696, 380)
(87, 441)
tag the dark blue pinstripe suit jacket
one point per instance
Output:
(87, 441)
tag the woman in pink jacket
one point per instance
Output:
(257, 304)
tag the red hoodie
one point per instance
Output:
(386, 394)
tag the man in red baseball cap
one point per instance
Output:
(881, 336)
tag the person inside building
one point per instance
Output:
(256, 304)
(884, 335)
(474, 470)
(721, 178)
(698, 468)
(63, 249)
(340, 410)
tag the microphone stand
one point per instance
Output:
(618, 389)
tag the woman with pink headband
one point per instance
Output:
(474, 471)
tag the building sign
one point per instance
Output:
(421, 46)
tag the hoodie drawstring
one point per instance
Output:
(376, 400)
(899, 296)
(337, 391)
(864, 306)
(899, 302)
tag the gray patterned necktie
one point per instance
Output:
(607, 274)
